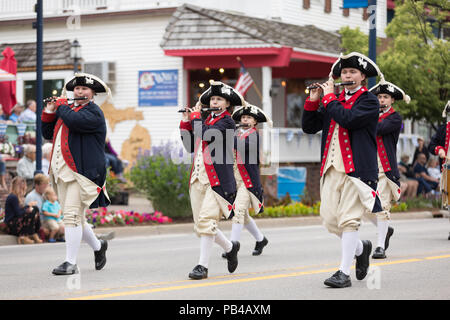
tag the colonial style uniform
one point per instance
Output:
(212, 185)
(77, 168)
(440, 140)
(349, 170)
(388, 131)
(247, 174)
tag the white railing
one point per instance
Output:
(22, 9)
(298, 147)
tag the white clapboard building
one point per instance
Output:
(158, 56)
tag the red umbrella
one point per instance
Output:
(8, 88)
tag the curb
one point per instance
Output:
(263, 223)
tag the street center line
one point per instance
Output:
(234, 281)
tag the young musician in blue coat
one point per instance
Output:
(388, 131)
(349, 170)
(77, 166)
(250, 192)
(212, 185)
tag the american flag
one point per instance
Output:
(244, 81)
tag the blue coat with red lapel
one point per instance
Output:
(388, 131)
(440, 140)
(82, 142)
(357, 118)
(212, 133)
(248, 163)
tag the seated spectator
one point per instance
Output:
(427, 184)
(22, 220)
(113, 160)
(29, 114)
(27, 165)
(16, 111)
(46, 154)
(3, 117)
(433, 169)
(36, 195)
(421, 148)
(408, 182)
(53, 218)
(3, 185)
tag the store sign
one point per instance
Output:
(158, 88)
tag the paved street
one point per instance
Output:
(292, 267)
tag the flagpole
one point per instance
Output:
(253, 84)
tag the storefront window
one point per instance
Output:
(199, 80)
(51, 88)
(296, 95)
(295, 99)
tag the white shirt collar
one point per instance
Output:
(215, 115)
(352, 91)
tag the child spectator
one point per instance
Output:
(433, 169)
(51, 209)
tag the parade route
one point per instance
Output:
(292, 267)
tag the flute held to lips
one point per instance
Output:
(53, 99)
(204, 109)
(337, 84)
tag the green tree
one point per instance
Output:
(416, 60)
(354, 40)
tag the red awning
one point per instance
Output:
(254, 57)
(390, 4)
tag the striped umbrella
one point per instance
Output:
(6, 76)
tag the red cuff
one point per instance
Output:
(436, 150)
(328, 98)
(196, 115)
(186, 125)
(61, 101)
(48, 117)
(311, 105)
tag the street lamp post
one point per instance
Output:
(75, 54)
(39, 83)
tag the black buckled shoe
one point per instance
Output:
(363, 260)
(379, 253)
(199, 272)
(338, 280)
(389, 234)
(65, 268)
(232, 256)
(100, 255)
(260, 246)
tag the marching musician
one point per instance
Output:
(439, 143)
(349, 169)
(212, 185)
(247, 174)
(388, 132)
(77, 166)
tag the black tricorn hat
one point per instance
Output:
(390, 89)
(221, 89)
(358, 61)
(253, 111)
(87, 80)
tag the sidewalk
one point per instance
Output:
(140, 204)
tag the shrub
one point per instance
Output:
(164, 182)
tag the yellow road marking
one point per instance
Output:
(438, 257)
(233, 281)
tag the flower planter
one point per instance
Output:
(121, 198)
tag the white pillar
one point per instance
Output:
(266, 85)
(270, 153)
